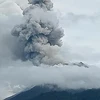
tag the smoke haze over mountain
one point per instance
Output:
(80, 43)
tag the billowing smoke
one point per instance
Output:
(42, 3)
(40, 34)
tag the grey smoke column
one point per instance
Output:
(43, 3)
(40, 34)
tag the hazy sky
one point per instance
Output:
(80, 20)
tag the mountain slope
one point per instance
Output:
(54, 93)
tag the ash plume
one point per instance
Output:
(42, 3)
(40, 35)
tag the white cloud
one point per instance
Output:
(17, 78)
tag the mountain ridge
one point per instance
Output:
(53, 92)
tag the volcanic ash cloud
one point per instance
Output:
(39, 36)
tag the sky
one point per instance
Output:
(80, 20)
